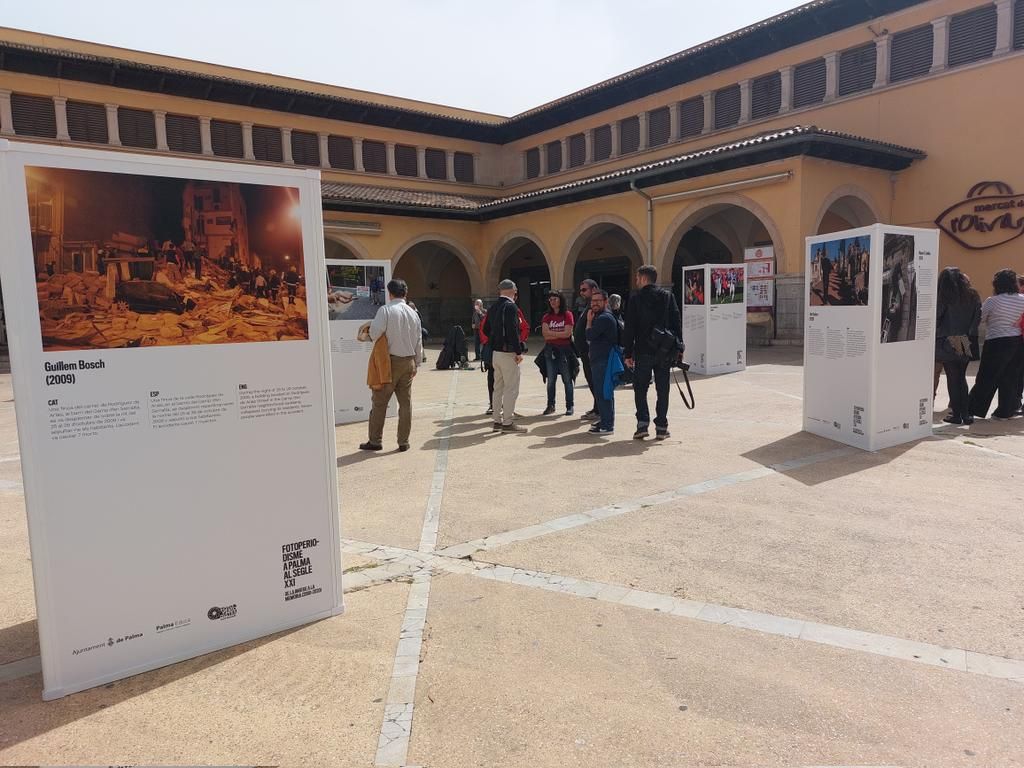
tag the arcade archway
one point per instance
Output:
(521, 258)
(845, 208)
(608, 251)
(440, 285)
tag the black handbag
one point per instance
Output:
(667, 345)
(690, 402)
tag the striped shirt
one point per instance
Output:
(1001, 315)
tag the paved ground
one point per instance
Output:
(740, 594)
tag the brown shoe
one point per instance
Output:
(513, 428)
(403, 448)
(370, 447)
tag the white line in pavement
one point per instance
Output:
(959, 659)
(468, 548)
(396, 729)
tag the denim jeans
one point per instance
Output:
(606, 408)
(557, 361)
(644, 370)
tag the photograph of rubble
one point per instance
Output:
(354, 292)
(125, 260)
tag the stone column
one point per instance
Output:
(389, 154)
(113, 131)
(523, 175)
(476, 167)
(6, 116)
(565, 154)
(325, 150)
(644, 137)
(421, 162)
(882, 45)
(709, 111)
(286, 146)
(940, 43)
(60, 109)
(160, 120)
(831, 75)
(247, 150)
(206, 139)
(786, 81)
(1004, 27)
(745, 101)
(616, 140)
(675, 125)
(542, 155)
(588, 143)
(357, 154)
(449, 161)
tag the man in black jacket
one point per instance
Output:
(602, 334)
(579, 338)
(501, 327)
(650, 307)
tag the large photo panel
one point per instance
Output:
(168, 323)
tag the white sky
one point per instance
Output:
(500, 57)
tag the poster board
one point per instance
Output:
(356, 289)
(172, 389)
(715, 317)
(869, 341)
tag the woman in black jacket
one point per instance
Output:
(956, 335)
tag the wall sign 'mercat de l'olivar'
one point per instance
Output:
(991, 215)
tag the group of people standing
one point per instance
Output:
(959, 315)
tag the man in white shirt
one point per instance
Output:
(400, 324)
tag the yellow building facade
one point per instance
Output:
(837, 114)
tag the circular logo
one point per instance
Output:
(213, 614)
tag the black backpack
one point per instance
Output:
(454, 352)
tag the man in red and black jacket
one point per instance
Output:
(501, 327)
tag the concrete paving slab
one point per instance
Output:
(526, 677)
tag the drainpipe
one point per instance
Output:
(650, 221)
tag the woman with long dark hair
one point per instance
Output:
(557, 326)
(1003, 353)
(956, 332)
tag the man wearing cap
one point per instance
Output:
(501, 327)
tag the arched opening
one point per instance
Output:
(521, 259)
(715, 233)
(439, 285)
(845, 212)
(335, 250)
(607, 253)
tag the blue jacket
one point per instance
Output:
(612, 372)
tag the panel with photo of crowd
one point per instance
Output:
(839, 272)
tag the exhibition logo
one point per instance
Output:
(990, 215)
(225, 612)
(167, 626)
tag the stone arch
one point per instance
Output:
(853, 203)
(584, 232)
(358, 249)
(692, 216)
(457, 248)
(505, 247)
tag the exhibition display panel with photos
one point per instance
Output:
(869, 345)
(715, 317)
(356, 289)
(169, 349)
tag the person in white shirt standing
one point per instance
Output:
(1003, 352)
(400, 324)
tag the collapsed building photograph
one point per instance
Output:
(125, 260)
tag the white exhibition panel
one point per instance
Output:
(715, 318)
(176, 432)
(356, 289)
(869, 343)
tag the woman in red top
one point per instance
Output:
(557, 325)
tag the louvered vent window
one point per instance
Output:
(305, 148)
(766, 95)
(532, 163)
(577, 150)
(405, 160)
(375, 157)
(266, 144)
(226, 138)
(87, 122)
(629, 135)
(809, 83)
(464, 170)
(1018, 24)
(183, 134)
(727, 106)
(911, 53)
(341, 153)
(691, 117)
(857, 69)
(972, 35)
(659, 127)
(437, 164)
(137, 127)
(602, 142)
(554, 157)
(34, 116)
